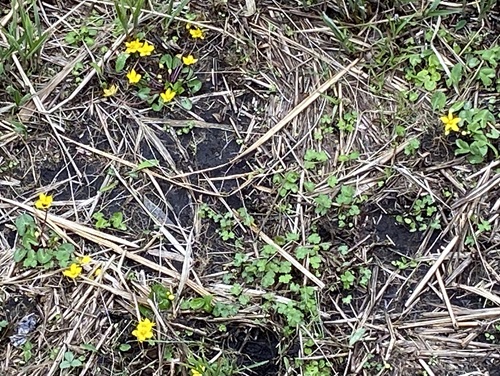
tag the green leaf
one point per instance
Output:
(456, 73)
(268, 279)
(157, 106)
(88, 347)
(301, 252)
(473, 62)
(116, 221)
(97, 68)
(457, 106)
(43, 256)
(475, 159)
(30, 260)
(493, 134)
(430, 85)
(194, 86)
(23, 222)
(315, 261)
(197, 303)
(89, 41)
(286, 278)
(463, 147)
(483, 117)
(186, 104)
(143, 93)
(120, 62)
(478, 148)
(71, 37)
(314, 238)
(147, 164)
(68, 248)
(438, 101)
(19, 254)
(414, 60)
(309, 165)
(101, 222)
(486, 74)
(166, 60)
(356, 336)
(76, 363)
(309, 186)
(125, 347)
(285, 267)
(347, 299)
(64, 364)
(332, 181)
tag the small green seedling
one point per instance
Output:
(70, 361)
(115, 221)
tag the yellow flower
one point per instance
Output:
(197, 33)
(133, 77)
(110, 91)
(146, 49)
(44, 201)
(450, 123)
(168, 95)
(98, 272)
(189, 60)
(144, 330)
(73, 271)
(133, 46)
(85, 260)
(198, 371)
(170, 296)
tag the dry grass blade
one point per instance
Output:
(297, 110)
(432, 271)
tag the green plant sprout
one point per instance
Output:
(32, 253)
(421, 215)
(115, 221)
(476, 139)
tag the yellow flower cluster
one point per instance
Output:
(144, 48)
(132, 47)
(144, 330)
(75, 269)
(44, 201)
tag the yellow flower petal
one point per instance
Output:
(133, 46)
(73, 271)
(85, 260)
(450, 123)
(197, 33)
(44, 201)
(189, 60)
(146, 49)
(110, 91)
(133, 77)
(168, 95)
(144, 330)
